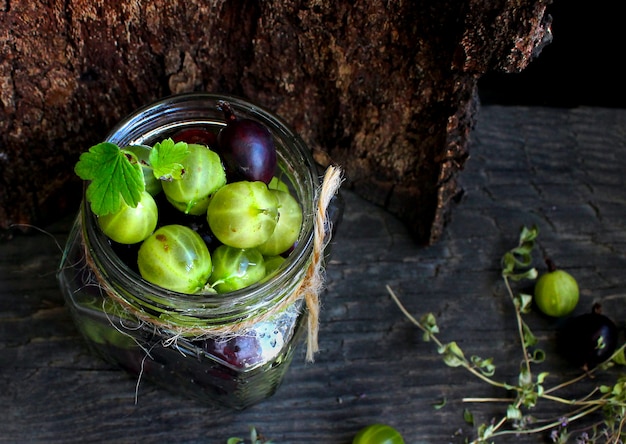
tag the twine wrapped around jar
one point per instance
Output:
(308, 289)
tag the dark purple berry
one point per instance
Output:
(589, 339)
(201, 136)
(246, 148)
(239, 351)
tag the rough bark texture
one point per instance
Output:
(385, 89)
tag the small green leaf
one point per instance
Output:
(619, 357)
(166, 159)
(115, 176)
(525, 378)
(508, 263)
(485, 366)
(541, 377)
(530, 274)
(452, 355)
(440, 404)
(538, 356)
(520, 257)
(484, 431)
(513, 413)
(429, 324)
(468, 417)
(529, 234)
(529, 338)
(234, 441)
(523, 302)
(540, 390)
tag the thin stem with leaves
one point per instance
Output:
(529, 389)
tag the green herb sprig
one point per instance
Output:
(529, 389)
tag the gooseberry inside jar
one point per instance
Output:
(230, 348)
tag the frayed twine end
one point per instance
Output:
(314, 280)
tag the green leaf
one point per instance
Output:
(530, 274)
(166, 159)
(508, 263)
(525, 378)
(529, 338)
(440, 404)
(524, 303)
(484, 431)
(520, 257)
(538, 356)
(485, 366)
(529, 234)
(429, 324)
(452, 355)
(513, 413)
(620, 357)
(115, 176)
(540, 390)
(468, 417)
(234, 441)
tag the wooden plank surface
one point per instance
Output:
(561, 169)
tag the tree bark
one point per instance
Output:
(387, 90)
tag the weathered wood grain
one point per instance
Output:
(386, 89)
(561, 169)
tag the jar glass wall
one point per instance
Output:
(232, 349)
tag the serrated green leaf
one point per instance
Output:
(166, 159)
(115, 176)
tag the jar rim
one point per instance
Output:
(254, 297)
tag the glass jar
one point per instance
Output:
(231, 349)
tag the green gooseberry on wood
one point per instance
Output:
(556, 292)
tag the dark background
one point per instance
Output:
(582, 66)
